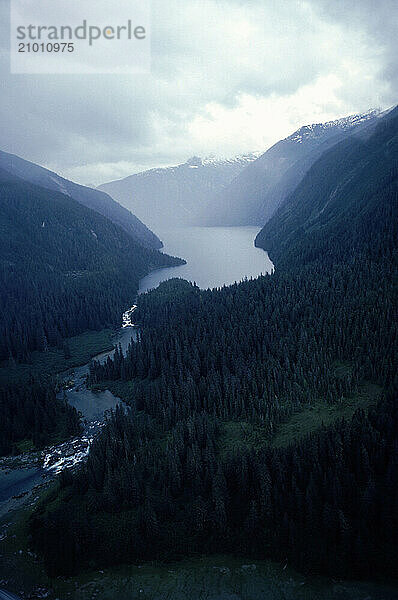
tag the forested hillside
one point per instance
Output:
(346, 204)
(193, 466)
(98, 201)
(64, 269)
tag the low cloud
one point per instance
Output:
(227, 77)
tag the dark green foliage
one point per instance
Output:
(64, 269)
(158, 483)
(32, 412)
(346, 205)
(55, 361)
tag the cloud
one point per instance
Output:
(228, 76)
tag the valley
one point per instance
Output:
(199, 301)
(198, 408)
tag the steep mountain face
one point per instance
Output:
(254, 195)
(176, 195)
(341, 202)
(100, 202)
(64, 268)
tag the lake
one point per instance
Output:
(215, 256)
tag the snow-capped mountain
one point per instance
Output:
(175, 196)
(346, 123)
(254, 194)
(244, 190)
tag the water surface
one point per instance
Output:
(215, 256)
(93, 405)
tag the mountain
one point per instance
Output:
(98, 201)
(64, 268)
(254, 195)
(342, 200)
(264, 415)
(176, 195)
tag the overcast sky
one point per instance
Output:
(228, 77)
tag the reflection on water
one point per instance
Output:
(215, 256)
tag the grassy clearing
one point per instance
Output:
(202, 578)
(320, 414)
(25, 446)
(219, 578)
(236, 435)
(240, 434)
(20, 570)
(341, 369)
(82, 348)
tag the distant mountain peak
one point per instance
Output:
(176, 195)
(253, 196)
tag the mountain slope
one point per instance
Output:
(98, 201)
(340, 203)
(192, 468)
(175, 195)
(254, 195)
(64, 268)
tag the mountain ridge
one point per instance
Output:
(98, 201)
(64, 268)
(256, 193)
(358, 170)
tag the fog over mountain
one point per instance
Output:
(245, 190)
(227, 77)
(177, 195)
(254, 195)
